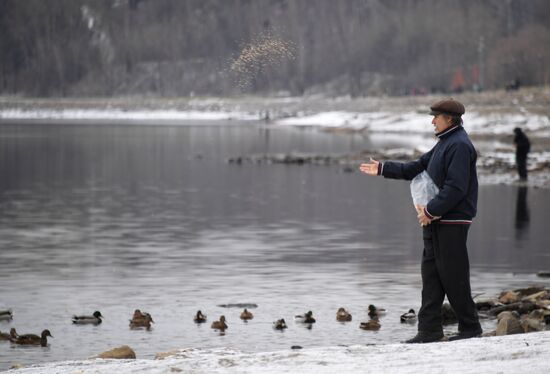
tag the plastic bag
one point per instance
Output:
(423, 189)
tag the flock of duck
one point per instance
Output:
(342, 315)
(143, 320)
(26, 339)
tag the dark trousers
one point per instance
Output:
(446, 271)
(521, 163)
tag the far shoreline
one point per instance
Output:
(493, 115)
(534, 99)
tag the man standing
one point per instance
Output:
(445, 268)
(523, 146)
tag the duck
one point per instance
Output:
(246, 315)
(376, 312)
(94, 319)
(12, 335)
(409, 317)
(199, 317)
(31, 339)
(138, 314)
(305, 318)
(219, 325)
(141, 319)
(343, 315)
(371, 325)
(279, 324)
(6, 315)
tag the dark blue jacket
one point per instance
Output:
(451, 164)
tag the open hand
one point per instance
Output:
(370, 168)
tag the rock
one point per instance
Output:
(540, 318)
(543, 274)
(532, 324)
(163, 355)
(528, 291)
(526, 307)
(448, 315)
(509, 297)
(239, 305)
(123, 352)
(508, 324)
(175, 370)
(486, 304)
(495, 311)
(507, 314)
(534, 297)
(538, 314)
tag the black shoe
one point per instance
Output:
(426, 337)
(466, 335)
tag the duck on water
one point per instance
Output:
(94, 319)
(6, 315)
(342, 315)
(5, 336)
(199, 317)
(305, 318)
(141, 320)
(32, 339)
(219, 325)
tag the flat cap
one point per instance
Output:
(447, 106)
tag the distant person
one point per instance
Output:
(513, 85)
(523, 146)
(445, 221)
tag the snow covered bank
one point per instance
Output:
(506, 354)
(117, 115)
(415, 122)
(373, 120)
(351, 115)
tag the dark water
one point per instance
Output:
(115, 218)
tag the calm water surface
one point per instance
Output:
(115, 218)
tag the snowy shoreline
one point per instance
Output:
(409, 121)
(505, 354)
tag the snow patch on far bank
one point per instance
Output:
(116, 114)
(508, 354)
(375, 122)
(504, 124)
(415, 122)
(372, 121)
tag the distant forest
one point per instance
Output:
(185, 47)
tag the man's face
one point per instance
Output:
(441, 123)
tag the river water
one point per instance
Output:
(116, 218)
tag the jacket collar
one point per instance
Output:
(445, 133)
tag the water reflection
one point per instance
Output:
(522, 212)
